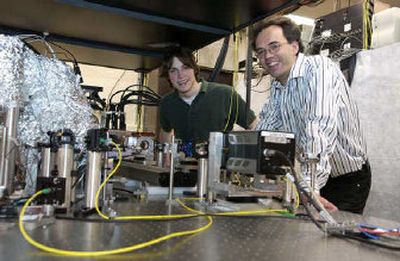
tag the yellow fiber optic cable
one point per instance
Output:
(188, 208)
(230, 109)
(96, 204)
(297, 200)
(156, 217)
(235, 71)
(252, 212)
(233, 213)
(147, 217)
(63, 252)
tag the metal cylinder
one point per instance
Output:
(9, 150)
(3, 157)
(202, 177)
(65, 165)
(160, 156)
(93, 177)
(287, 197)
(47, 164)
(171, 169)
(215, 147)
(74, 179)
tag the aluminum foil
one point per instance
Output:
(29, 157)
(11, 71)
(50, 98)
(53, 100)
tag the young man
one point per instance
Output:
(197, 108)
(310, 97)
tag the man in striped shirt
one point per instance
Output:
(311, 98)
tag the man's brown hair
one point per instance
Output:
(185, 56)
(291, 30)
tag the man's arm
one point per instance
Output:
(253, 125)
(247, 123)
(165, 137)
(320, 120)
(327, 204)
(270, 117)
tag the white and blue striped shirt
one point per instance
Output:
(316, 105)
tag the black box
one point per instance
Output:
(258, 152)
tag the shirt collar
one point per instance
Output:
(203, 86)
(297, 71)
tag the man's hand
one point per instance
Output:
(253, 125)
(328, 205)
(166, 137)
(166, 160)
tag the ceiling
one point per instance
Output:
(130, 34)
(328, 6)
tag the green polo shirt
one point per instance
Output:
(208, 112)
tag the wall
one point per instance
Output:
(330, 6)
(111, 80)
(376, 88)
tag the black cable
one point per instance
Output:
(131, 86)
(111, 220)
(145, 94)
(311, 3)
(302, 193)
(254, 216)
(77, 181)
(77, 70)
(77, 201)
(144, 101)
(220, 60)
(355, 236)
(148, 89)
(344, 233)
(146, 97)
(124, 190)
(100, 220)
(124, 90)
(64, 49)
(141, 102)
(389, 237)
(82, 170)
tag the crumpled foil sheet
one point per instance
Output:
(11, 71)
(53, 100)
(30, 158)
(48, 92)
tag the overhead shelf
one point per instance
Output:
(130, 34)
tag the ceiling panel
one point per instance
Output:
(131, 34)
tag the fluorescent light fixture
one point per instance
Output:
(301, 19)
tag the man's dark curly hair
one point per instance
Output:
(185, 56)
(291, 30)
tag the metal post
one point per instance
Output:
(312, 161)
(214, 162)
(108, 164)
(287, 199)
(47, 164)
(65, 163)
(3, 155)
(202, 177)
(94, 166)
(10, 149)
(160, 156)
(313, 169)
(171, 169)
(249, 71)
